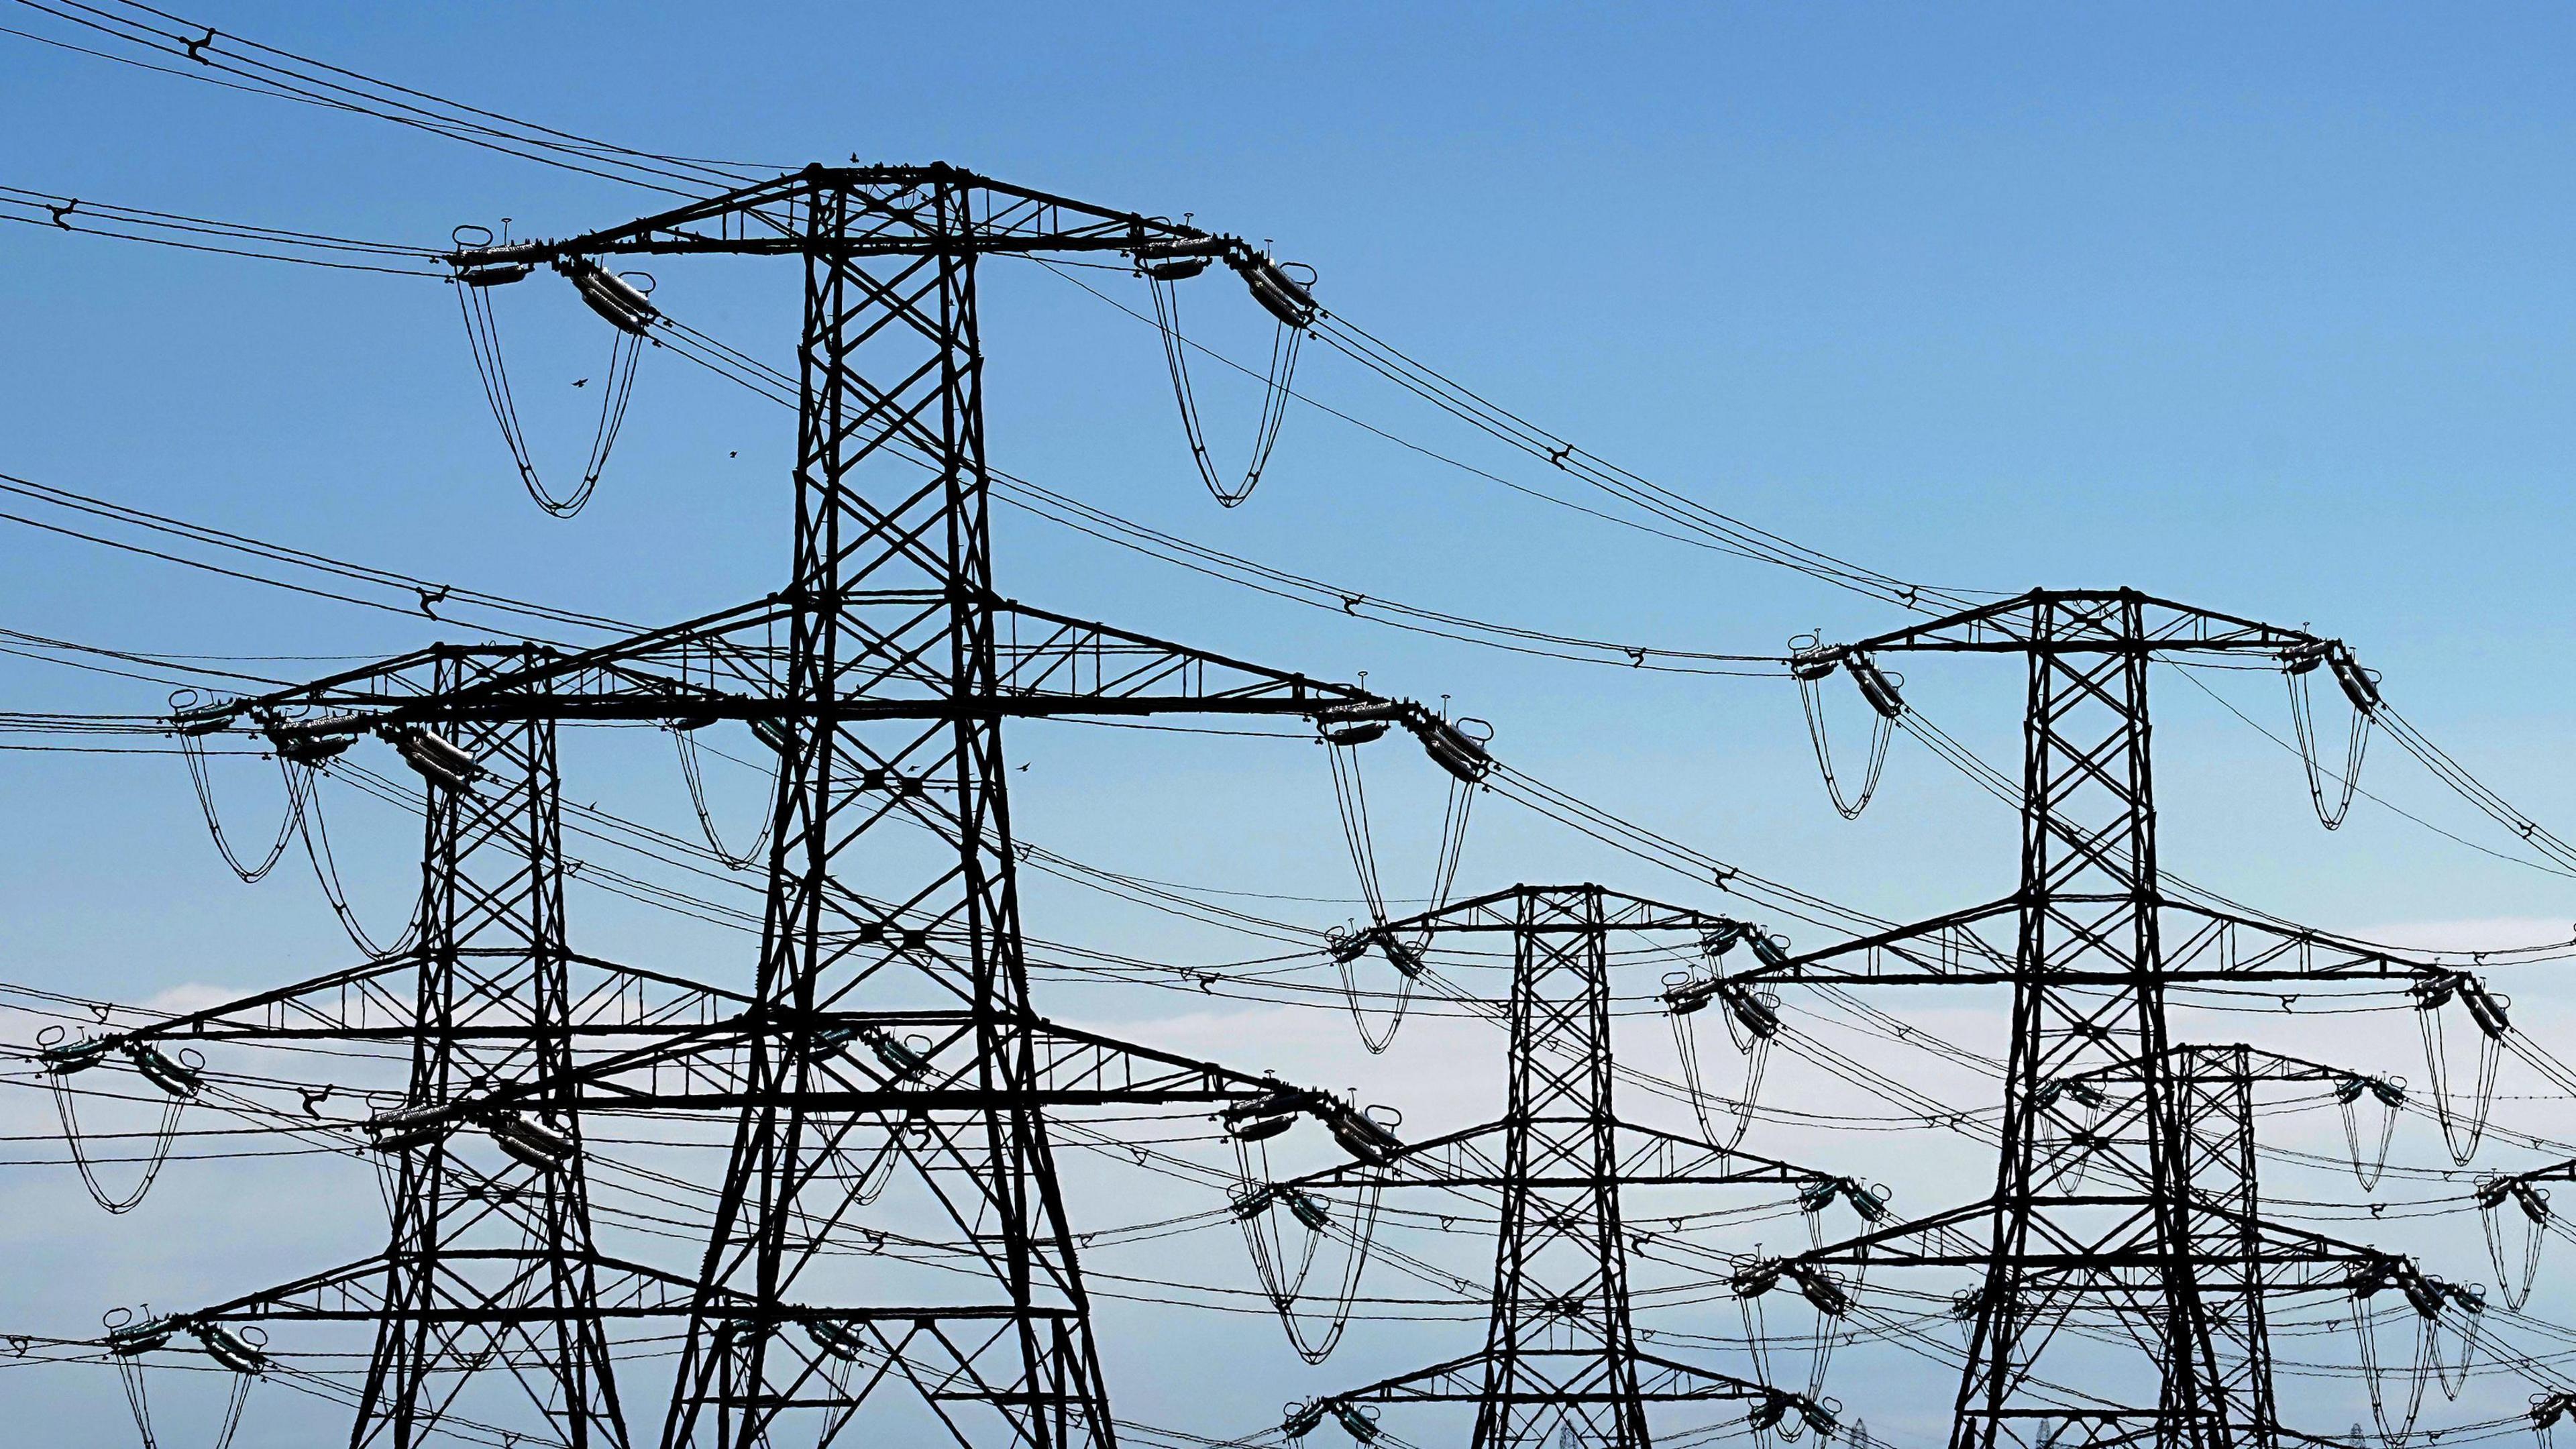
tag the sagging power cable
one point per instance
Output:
(1678, 517)
(622, 299)
(1164, 265)
(412, 596)
(1810, 665)
(2362, 692)
(179, 1078)
(1070, 512)
(1344, 731)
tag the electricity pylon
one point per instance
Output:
(887, 1034)
(1561, 1361)
(491, 1277)
(2213, 1087)
(509, 1216)
(2093, 1224)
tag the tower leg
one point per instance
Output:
(2092, 1221)
(1560, 1351)
(892, 582)
(488, 1292)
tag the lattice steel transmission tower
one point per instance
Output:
(2095, 1221)
(2221, 1215)
(1561, 1361)
(486, 1301)
(888, 1032)
(507, 1217)
(2220, 1184)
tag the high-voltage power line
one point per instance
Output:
(2109, 1216)
(1561, 1361)
(888, 1033)
(2121, 1276)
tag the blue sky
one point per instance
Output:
(2265, 310)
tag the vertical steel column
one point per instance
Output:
(892, 589)
(488, 1279)
(1560, 1352)
(2090, 1222)
(2215, 1089)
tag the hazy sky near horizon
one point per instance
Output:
(2267, 310)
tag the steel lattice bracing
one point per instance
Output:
(2091, 1230)
(489, 1271)
(1560, 1353)
(887, 1063)
(2214, 1101)
(1561, 1362)
(2116, 1283)
(486, 1304)
(2213, 1131)
(892, 577)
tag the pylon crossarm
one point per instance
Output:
(1458, 1378)
(354, 1292)
(2014, 626)
(1073, 1068)
(1463, 1380)
(2554, 1172)
(1497, 912)
(1454, 1159)
(2204, 944)
(356, 1004)
(1943, 1239)
(1975, 947)
(628, 678)
(338, 1003)
(1652, 1157)
(2196, 1058)
(1647, 1378)
(1071, 1060)
(388, 681)
(2289, 1259)
(1644, 1157)
(1666, 1380)
(2295, 1260)
(1050, 656)
(719, 644)
(864, 1065)
(1057, 665)
(1952, 949)
(888, 215)
(1044, 662)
